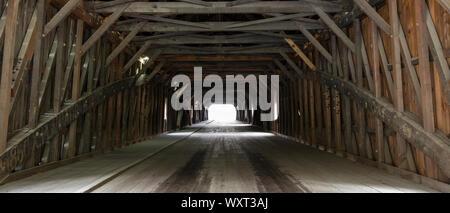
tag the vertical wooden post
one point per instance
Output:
(425, 77)
(327, 111)
(379, 137)
(108, 139)
(347, 116)
(424, 66)
(37, 64)
(292, 110)
(397, 72)
(7, 65)
(306, 111)
(302, 113)
(60, 58)
(75, 87)
(359, 79)
(118, 125)
(336, 100)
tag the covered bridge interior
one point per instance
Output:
(86, 87)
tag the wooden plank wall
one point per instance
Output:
(320, 115)
(129, 116)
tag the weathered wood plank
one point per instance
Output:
(219, 7)
(123, 44)
(438, 55)
(361, 136)
(37, 64)
(7, 64)
(379, 135)
(268, 20)
(408, 61)
(316, 43)
(103, 28)
(60, 16)
(48, 69)
(218, 27)
(300, 53)
(136, 56)
(374, 16)
(332, 25)
(424, 66)
(398, 85)
(75, 84)
(384, 62)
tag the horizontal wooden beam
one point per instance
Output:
(272, 19)
(251, 39)
(223, 69)
(218, 27)
(113, 3)
(219, 7)
(222, 63)
(223, 50)
(198, 2)
(218, 58)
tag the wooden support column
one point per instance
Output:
(75, 84)
(336, 100)
(301, 107)
(379, 136)
(312, 113)
(397, 72)
(306, 111)
(347, 116)
(426, 90)
(359, 81)
(60, 61)
(119, 124)
(327, 112)
(7, 64)
(108, 139)
(37, 65)
(318, 102)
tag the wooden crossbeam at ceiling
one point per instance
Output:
(251, 39)
(219, 7)
(219, 58)
(218, 27)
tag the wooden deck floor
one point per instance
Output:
(219, 157)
